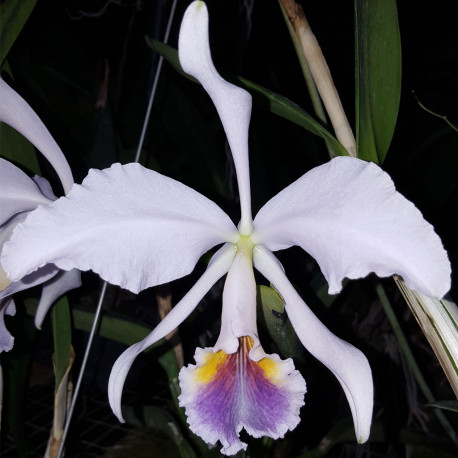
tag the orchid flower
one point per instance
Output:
(137, 228)
(19, 195)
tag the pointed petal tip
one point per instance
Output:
(193, 37)
(17, 113)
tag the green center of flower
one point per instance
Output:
(245, 245)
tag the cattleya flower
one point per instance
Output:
(19, 195)
(138, 228)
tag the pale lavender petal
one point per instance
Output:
(16, 112)
(349, 217)
(38, 277)
(346, 362)
(45, 187)
(18, 192)
(7, 307)
(225, 393)
(220, 264)
(53, 289)
(134, 227)
(6, 230)
(238, 318)
(232, 103)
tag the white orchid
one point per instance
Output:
(19, 195)
(137, 228)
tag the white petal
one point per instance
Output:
(7, 307)
(349, 217)
(38, 277)
(53, 289)
(220, 264)
(134, 227)
(346, 362)
(45, 187)
(16, 112)
(18, 192)
(238, 317)
(6, 230)
(232, 103)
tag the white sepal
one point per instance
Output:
(55, 288)
(348, 215)
(17, 113)
(346, 362)
(18, 192)
(134, 227)
(232, 103)
(220, 264)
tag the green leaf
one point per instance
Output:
(13, 16)
(445, 405)
(170, 54)
(113, 328)
(378, 76)
(17, 149)
(285, 108)
(274, 318)
(276, 103)
(62, 334)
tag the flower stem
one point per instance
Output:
(311, 86)
(321, 75)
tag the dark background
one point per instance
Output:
(71, 53)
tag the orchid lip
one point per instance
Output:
(225, 393)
